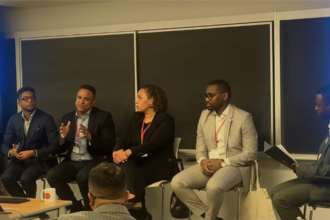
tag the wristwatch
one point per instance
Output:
(223, 163)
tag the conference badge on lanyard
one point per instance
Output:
(214, 154)
(76, 147)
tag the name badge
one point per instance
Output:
(75, 149)
(214, 154)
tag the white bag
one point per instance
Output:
(256, 205)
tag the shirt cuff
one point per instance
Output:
(227, 161)
(9, 154)
(200, 160)
(35, 153)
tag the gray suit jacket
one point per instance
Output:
(103, 212)
(241, 139)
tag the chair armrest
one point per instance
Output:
(177, 160)
(325, 179)
(190, 159)
(56, 155)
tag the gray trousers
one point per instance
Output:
(287, 197)
(192, 178)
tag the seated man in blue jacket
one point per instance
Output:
(287, 197)
(37, 135)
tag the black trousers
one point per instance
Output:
(140, 173)
(69, 171)
(26, 172)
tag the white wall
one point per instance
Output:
(88, 14)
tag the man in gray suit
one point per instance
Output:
(226, 142)
(108, 195)
(310, 185)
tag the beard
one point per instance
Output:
(29, 110)
(210, 108)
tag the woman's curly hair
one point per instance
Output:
(159, 96)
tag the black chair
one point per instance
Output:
(312, 206)
(162, 183)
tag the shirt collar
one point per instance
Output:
(30, 116)
(87, 113)
(109, 207)
(226, 111)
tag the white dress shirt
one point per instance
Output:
(220, 145)
(27, 122)
(81, 143)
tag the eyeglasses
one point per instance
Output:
(211, 95)
(27, 98)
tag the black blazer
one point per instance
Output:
(158, 143)
(102, 129)
(42, 135)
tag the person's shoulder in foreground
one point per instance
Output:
(103, 212)
(108, 195)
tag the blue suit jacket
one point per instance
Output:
(42, 135)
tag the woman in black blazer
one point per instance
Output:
(146, 146)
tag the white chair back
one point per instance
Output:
(176, 145)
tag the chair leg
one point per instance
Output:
(238, 204)
(311, 212)
(305, 209)
(162, 211)
(44, 183)
(189, 216)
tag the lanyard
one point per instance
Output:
(216, 133)
(143, 131)
(77, 128)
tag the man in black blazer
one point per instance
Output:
(312, 182)
(37, 135)
(88, 135)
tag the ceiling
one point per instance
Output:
(27, 3)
